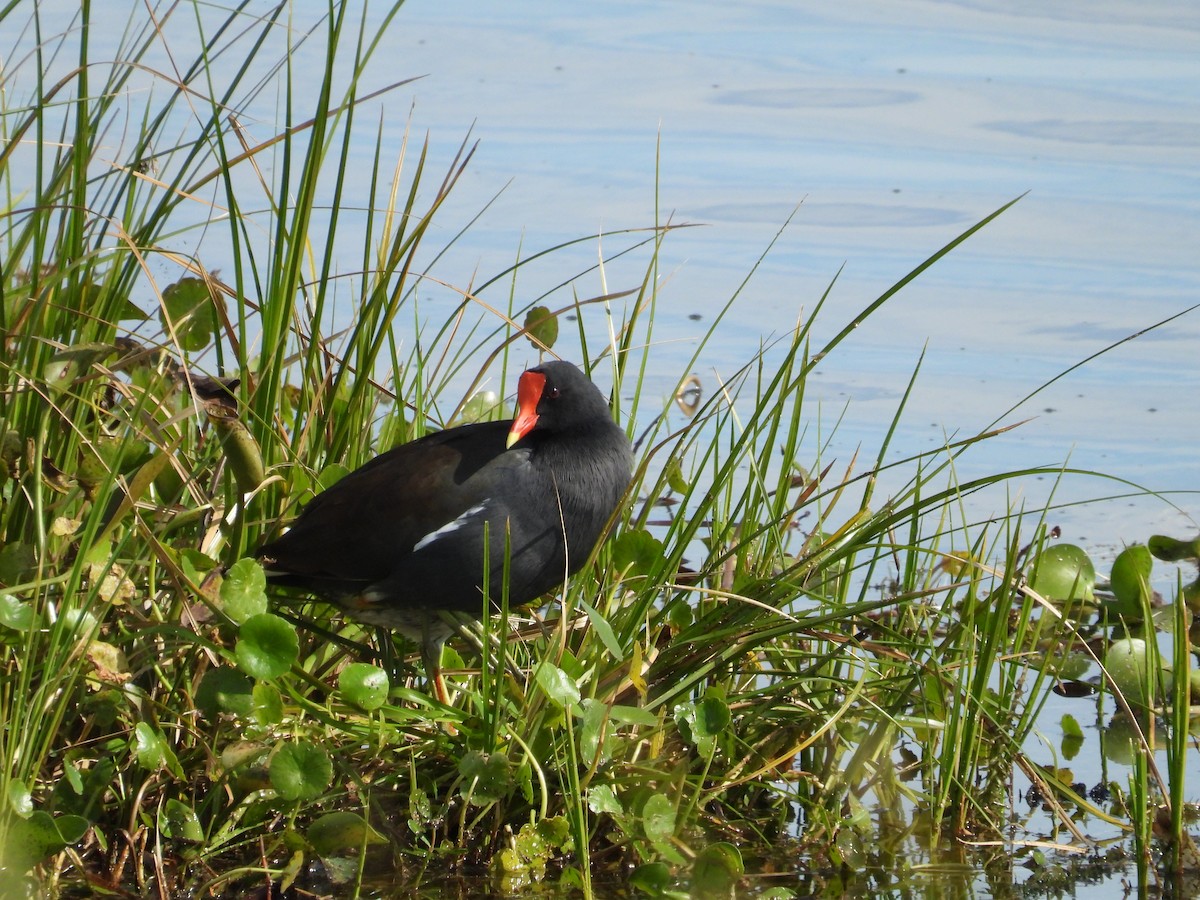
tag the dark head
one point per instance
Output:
(554, 398)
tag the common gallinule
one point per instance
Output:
(402, 539)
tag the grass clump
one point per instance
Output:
(765, 653)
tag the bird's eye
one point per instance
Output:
(551, 393)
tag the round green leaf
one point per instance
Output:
(558, 685)
(20, 800)
(542, 327)
(343, 830)
(179, 821)
(331, 475)
(603, 799)
(224, 690)
(189, 310)
(652, 878)
(15, 614)
(267, 646)
(72, 828)
(31, 840)
(637, 552)
(699, 723)
(716, 869)
(1063, 573)
(364, 685)
(712, 717)
(300, 771)
(487, 777)
(268, 704)
(658, 818)
(1127, 663)
(483, 406)
(149, 747)
(244, 590)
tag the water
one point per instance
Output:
(896, 126)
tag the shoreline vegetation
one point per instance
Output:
(769, 678)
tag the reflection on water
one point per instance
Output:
(794, 98)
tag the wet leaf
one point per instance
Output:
(20, 800)
(658, 818)
(603, 799)
(1070, 665)
(179, 821)
(342, 830)
(1128, 664)
(557, 685)
(700, 722)
(149, 747)
(717, 869)
(32, 839)
(652, 878)
(487, 777)
(1072, 741)
(1064, 573)
(712, 715)
(364, 685)
(267, 646)
(300, 771)
(594, 730)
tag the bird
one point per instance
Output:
(402, 540)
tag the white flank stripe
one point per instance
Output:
(448, 527)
